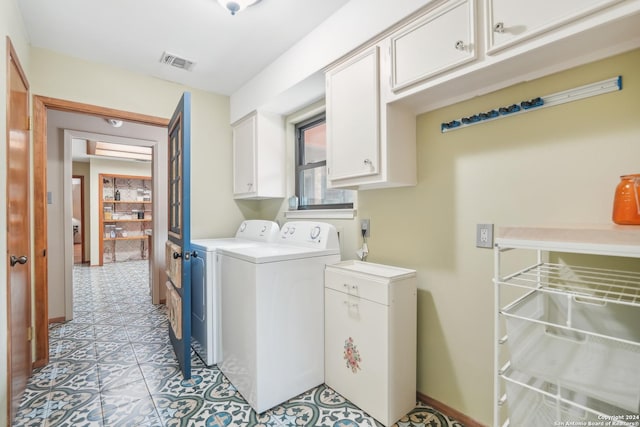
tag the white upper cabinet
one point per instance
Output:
(370, 144)
(442, 39)
(353, 105)
(509, 22)
(258, 157)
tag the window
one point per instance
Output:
(311, 169)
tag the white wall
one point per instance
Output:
(11, 26)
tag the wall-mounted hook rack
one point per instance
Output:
(586, 91)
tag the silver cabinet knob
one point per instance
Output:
(499, 27)
(460, 45)
(368, 162)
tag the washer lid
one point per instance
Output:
(275, 253)
(210, 245)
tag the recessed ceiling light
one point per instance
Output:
(235, 6)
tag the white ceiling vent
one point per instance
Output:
(176, 61)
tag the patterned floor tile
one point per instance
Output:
(117, 352)
(67, 407)
(110, 333)
(72, 349)
(116, 376)
(72, 374)
(113, 365)
(121, 411)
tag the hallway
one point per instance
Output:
(113, 365)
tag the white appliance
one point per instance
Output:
(205, 284)
(273, 313)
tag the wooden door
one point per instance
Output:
(18, 238)
(179, 233)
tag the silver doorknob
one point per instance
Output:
(18, 260)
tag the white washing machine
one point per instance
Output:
(205, 284)
(273, 313)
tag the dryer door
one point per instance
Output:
(199, 305)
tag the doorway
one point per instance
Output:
(43, 199)
(78, 219)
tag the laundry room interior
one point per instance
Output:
(368, 228)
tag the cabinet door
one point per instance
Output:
(353, 130)
(356, 351)
(510, 22)
(244, 156)
(443, 39)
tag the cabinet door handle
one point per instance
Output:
(351, 305)
(499, 27)
(368, 162)
(460, 45)
(350, 288)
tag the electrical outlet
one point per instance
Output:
(365, 225)
(484, 236)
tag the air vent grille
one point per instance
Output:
(176, 61)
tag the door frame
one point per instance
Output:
(82, 220)
(41, 105)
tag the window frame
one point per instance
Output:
(301, 167)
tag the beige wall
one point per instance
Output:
(552, 166)
(214, 212)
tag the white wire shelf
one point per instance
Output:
(550, 392)
(598, 239)
(594, 284)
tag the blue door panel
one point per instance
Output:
(179, 232)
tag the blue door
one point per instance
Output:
(179, 233)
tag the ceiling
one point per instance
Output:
(133, 34)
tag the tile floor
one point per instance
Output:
(113, 365)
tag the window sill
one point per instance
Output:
(321, 214)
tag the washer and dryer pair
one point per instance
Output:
(205, 284)
(258, 307)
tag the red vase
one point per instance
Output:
(626, 203)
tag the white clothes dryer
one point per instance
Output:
(273, 313)
(205, 284)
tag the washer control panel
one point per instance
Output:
(307, 233)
